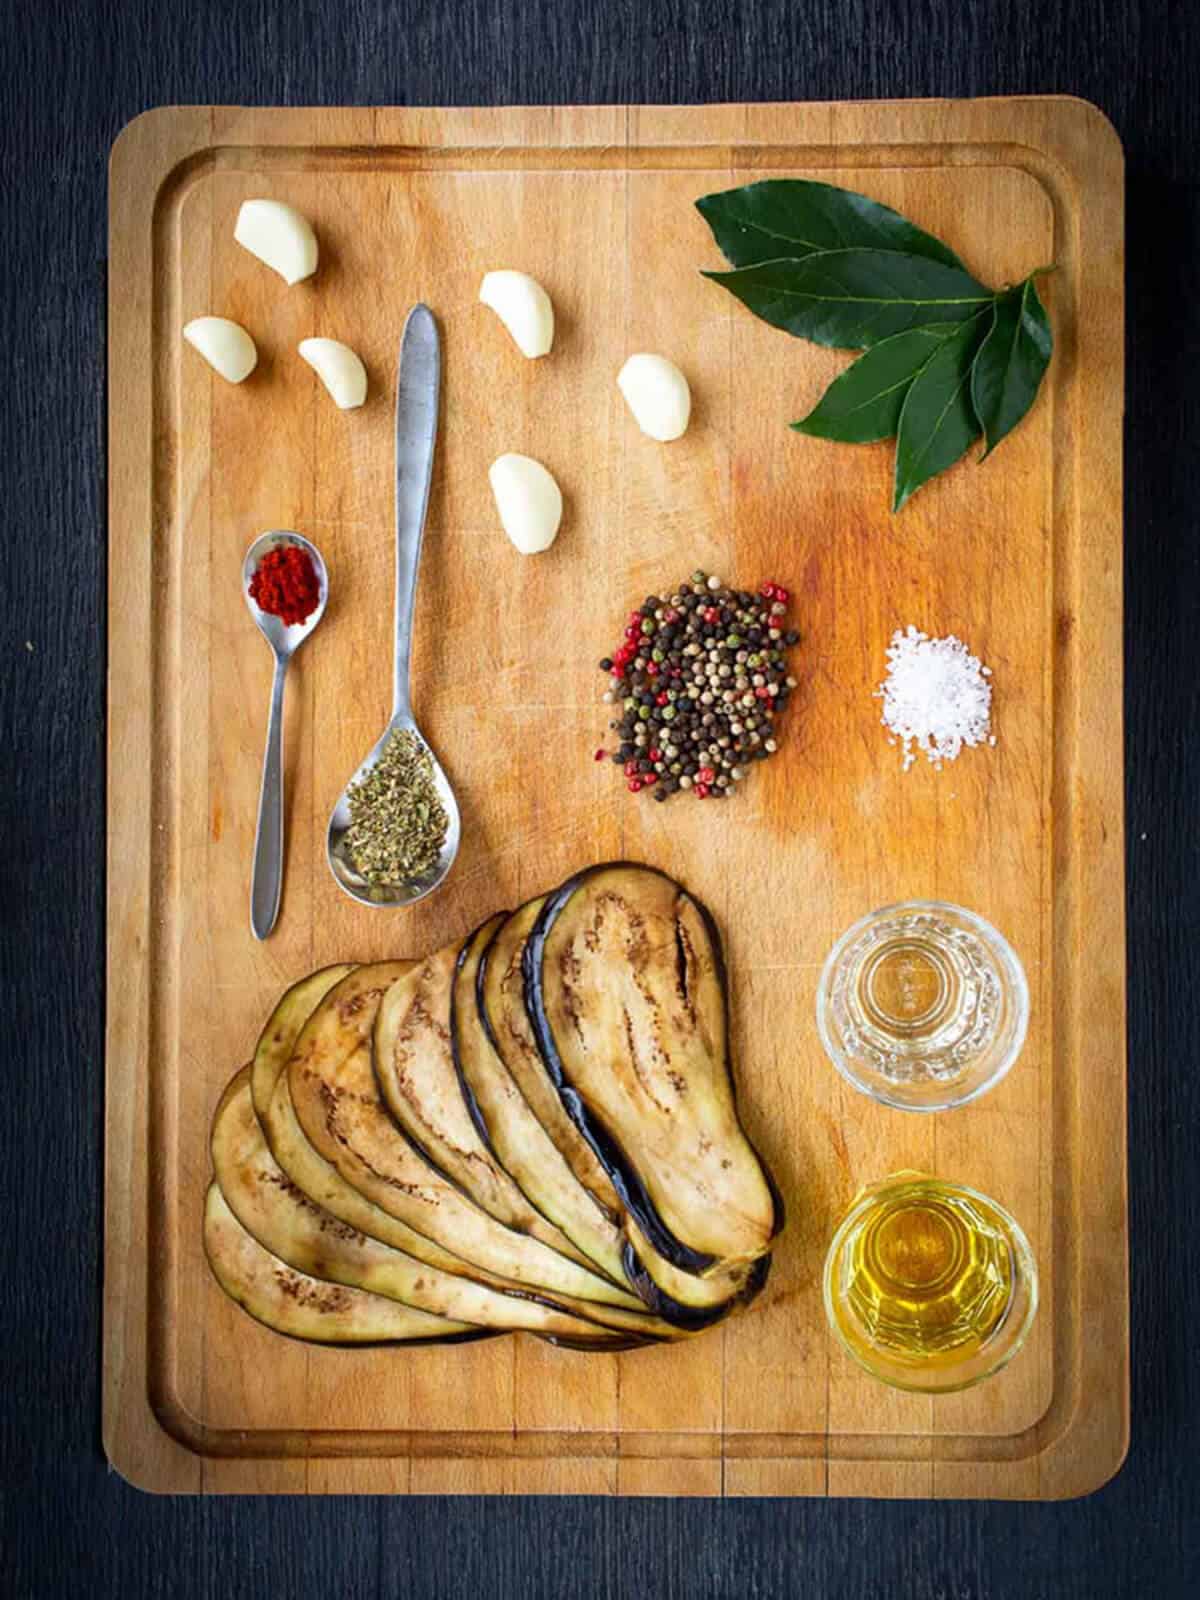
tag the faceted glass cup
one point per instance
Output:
(929, 1286)
(923, 1005)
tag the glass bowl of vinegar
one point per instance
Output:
(923, 1006)
(929, 1285)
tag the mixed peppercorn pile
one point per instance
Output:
(700, 677)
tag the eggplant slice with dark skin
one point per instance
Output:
(293, 1227)
(507, 1124)
(626, 990)
(685, 1298)
(500, 1000)
(533, 1130)
(276, 1041)
(691, 1313)
(308, 1308)
(413, 1059)
(339, 1108)
(681, 1298)
(298, 1159)
(317, 1179)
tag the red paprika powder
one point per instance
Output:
(285, 583)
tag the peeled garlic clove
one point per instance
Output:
(529, 501)
(339, 369)
(225, 345)
(658, 395)
(279, 236)
(524, 308)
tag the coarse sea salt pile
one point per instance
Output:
(936, 696)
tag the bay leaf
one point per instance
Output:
(796, 217)
(1011, 363)
(850, 299)
(937, 421)
(863, 404)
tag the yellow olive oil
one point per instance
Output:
(923, 1279)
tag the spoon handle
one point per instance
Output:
(417, 388)
(267, 879)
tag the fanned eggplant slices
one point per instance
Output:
(535, 1130)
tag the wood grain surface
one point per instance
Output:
(1022, 562)
(70, 1527)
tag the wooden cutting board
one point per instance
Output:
(1021, 558)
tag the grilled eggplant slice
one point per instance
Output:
(317, 1179)
(293, 1227)
(685, 1298)
(679, 1297)
(500, 1000)
(310, 1172)
(277, 1039)
(507, 1136)
(321, 1181)
(695, 1302)
(277, 1042)
(602, 1344)
(414, 1066)
(307, 1308)
(626, 990)
(338, 1105)
(512, 1132)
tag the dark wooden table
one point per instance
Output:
(72, 74)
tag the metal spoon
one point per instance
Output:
(417, 389)
(266, 882)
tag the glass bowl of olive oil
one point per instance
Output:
(923, 1005)
(929, 1285)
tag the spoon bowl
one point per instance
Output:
(285, 639)
(418, 387)
(340, 864)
